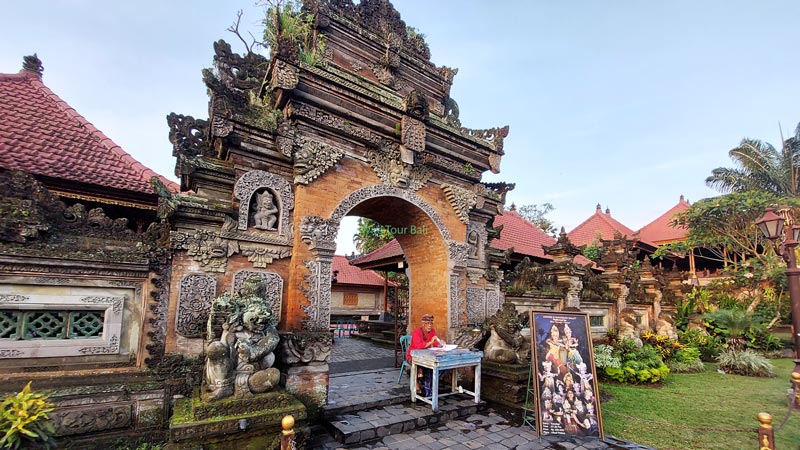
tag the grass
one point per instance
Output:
(688, 402)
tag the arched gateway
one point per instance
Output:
(368, 129)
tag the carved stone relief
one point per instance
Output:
(474, 275)
(476, 305)
(492, 301)
(284, 75)
(319, 233)
(306, 347)
(111, 349)
(273, 283)
(458, 253)
(337, 123)
(256, 181)
(116, 302)
(313, 158)
(389, 166)
(370, 192)
(261, 255)
(207, 248)
(88, 419)
(318, 293)
(195, 294)
(462, 200)
(159, 307)
(220, 126)
(12, 298)
(457, 318)
(413, 134)
(188, 135)
(285, 138)
(476, 239)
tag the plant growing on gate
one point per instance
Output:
(287, 24)
(25, 420)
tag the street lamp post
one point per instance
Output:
(771, 225)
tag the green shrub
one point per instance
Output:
(709, 346)
(624, 361)
(604, 357)
(745, 362)
(758, 337)
(25, 420)
(686, 360)
(630, 375)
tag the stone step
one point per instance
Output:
(366, 425)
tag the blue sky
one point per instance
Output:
(626, 103)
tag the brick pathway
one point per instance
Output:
(351, 354)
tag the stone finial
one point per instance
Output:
(608, 211)
(33, 64)
(599, 208)
(682, 197)
(513, 207)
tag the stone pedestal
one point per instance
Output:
(248, 423)
(504, 383)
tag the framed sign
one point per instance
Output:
(567, 398)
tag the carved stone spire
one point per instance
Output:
(33, 64)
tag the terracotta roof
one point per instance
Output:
(348, 274)
(525, 237)
(42, 135)
(660, 231)
(389, 250)
(601, 223)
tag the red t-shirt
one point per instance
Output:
(418, 340)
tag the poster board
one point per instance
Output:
(565, 378)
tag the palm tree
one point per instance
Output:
(370, 235)
(761, 167)
(736, 323)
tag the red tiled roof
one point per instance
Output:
(389, 250)
(660, 231)
(601, 223)
(525, 237)
(348, 274)
(42, 135)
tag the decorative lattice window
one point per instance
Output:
(48, 324)
(350, 299)
(597, 321)
(68, 325)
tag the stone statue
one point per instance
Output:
(666, 326)
(628, 326)
(266, 212)
(240, 361)
(506, 344)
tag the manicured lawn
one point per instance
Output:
(709, 399)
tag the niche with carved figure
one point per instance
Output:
(264, 210)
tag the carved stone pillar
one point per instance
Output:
(320, 235)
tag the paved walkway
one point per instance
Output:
(494, 428)
(352, 354)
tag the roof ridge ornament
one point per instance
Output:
(33, 64)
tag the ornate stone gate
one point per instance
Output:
(362, 125)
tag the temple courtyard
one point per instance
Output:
(365, 397)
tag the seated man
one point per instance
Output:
(424, 337)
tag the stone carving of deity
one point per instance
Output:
(239, 361)
(266, 214)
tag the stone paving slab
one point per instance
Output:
(362, 426)
(473, 432)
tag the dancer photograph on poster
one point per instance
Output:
(565, 378)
